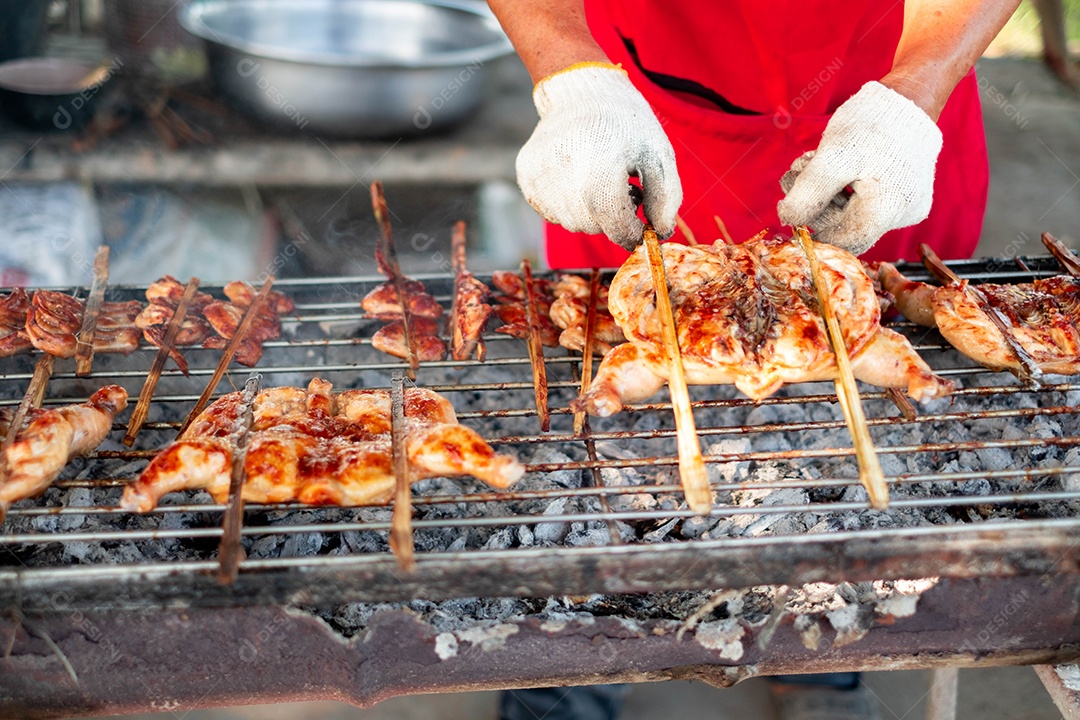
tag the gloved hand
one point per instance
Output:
(595, 130)
(882, 145)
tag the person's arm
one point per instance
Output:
(941, 40)
(549, 35)
(595, 131)
(883, 142)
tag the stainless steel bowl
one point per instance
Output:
(371, 68)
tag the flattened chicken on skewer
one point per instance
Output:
(54, 319)
(382, 303)
(319, 448)
(748, 315)
(570, 311)
(1043, 317)
(13, 309)
(470, 312)
(510, 307)
(49, 439)
(225, 319)
(164, 296)
(391, 339)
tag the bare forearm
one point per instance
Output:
(549, 35)
(942, 39)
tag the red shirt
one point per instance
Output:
(743, 87)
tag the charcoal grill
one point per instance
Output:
(109, 611)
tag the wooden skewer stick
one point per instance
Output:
(389, 263)
(84, 341)
(723, 230)
(686, 231)
(587, 351)
(900, 400)
(401, 532)
(536, 349)
(870, 474)
(695, 482)
(460, 349)
(230, 350)
(230, 551)
(1029, 372)
(1062, 254)
(142, 408)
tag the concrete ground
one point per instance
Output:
(1033, 131)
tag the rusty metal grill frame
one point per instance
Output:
(1039, 546)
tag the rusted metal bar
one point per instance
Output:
(253, 653)
(84, 340)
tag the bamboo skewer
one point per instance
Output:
(84, 341)
(230, 551)
(686, 231)
(536, 349)
(1029, 372)
(870, 474)
(390, 260)
(1062, 254)
(723, 230)
(401, 531)
(142, 408)
(695, 481)
(587, 351)
(230, 350)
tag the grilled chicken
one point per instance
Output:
(570, 311)
(225, 318)
(49, 439)
(383, 303)
(471, 315)
(319, 448)
(54, 319)
(164, 296)
(391, 339)
(748, 315)
(13, 309)
(511, 310)
(1043, 317)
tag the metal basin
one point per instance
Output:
(362, 68)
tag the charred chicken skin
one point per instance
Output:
(1043, 317)
(13, 337)
(320, 448)
(54, 318)
(748, 315)
(49, 439)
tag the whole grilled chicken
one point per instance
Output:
(319, 448)
(748, 315)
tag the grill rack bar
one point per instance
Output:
(1042, 491)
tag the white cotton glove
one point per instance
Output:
(595, 130)
(882, 145)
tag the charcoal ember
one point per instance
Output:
(661, 532)
(551, 533)
(501, 539)
(732, 471)
(525, 536)
(301, 544)
(546, 454)
(590, 534)
(265, 547)
(697, 526)
(627, 502)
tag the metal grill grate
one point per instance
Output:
(983, 483)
